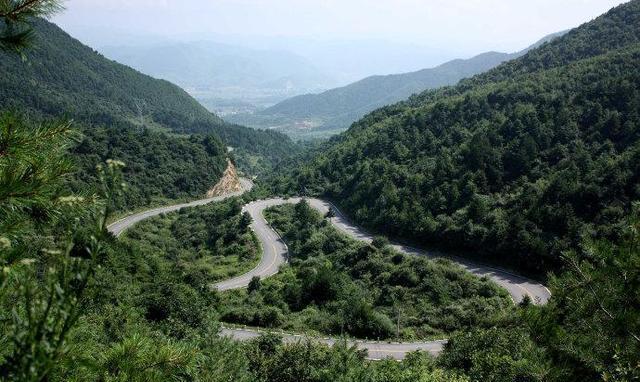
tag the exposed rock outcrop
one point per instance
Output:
(230, 182)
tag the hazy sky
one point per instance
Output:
(461, 25)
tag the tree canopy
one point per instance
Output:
(516, 165)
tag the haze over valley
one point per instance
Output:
(320, 191)
(249, 77)
(253, 78)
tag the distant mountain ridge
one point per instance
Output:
(63, 77)
(225, 72)
(336, 109)
(516, 165)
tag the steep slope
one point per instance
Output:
(229, 182)
(518, 164)
(336, 109)
(65, 78)
(158, 166)
(125, 115)
(340, 106)
(62, 76)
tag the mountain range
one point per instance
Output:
(123, 113)
(216, 72)
(332, 111)
(514, 165)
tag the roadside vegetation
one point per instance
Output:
(212, 242)
(159, 168)
(174, 148)
(76, 304)
(340, 286)
(514, 166)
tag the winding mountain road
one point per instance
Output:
(275, 254)
(116, 228)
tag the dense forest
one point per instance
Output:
(538, 157)
(516, 165)
(158, 167)
(337, 285)
(61, 77)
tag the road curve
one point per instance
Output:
(116, 228)
(275, 252)
(274, 249)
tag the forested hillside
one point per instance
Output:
(63, 78)
(335, 110)
(516, 165)
(537, 156)
(158, 167)
(329, 272)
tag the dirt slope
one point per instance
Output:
(230, 182)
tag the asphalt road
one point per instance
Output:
(275, 254)
(517, 286)
(275, 251)
(376, 350)
(123, 224)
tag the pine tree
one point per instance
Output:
(50, 240)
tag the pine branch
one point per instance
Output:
(16, 32)
(20, 10)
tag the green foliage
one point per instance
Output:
(587, 332)
(92, 89)
(592, 325)
(550, 152)
(270, 360)
(159, 167)
(207, 244)
(48, 259)
(337, 285)
(496, 355)
(138, 358)
(514, 166)
(104, 92)
(39, 311)
(146, 319)
(334, 110)
(380, 242)
(33, 162)
(101, 96)
(254, 284)
(16, 32)
(64, 78)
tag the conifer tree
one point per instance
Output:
(49, 239)
(16, 33)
